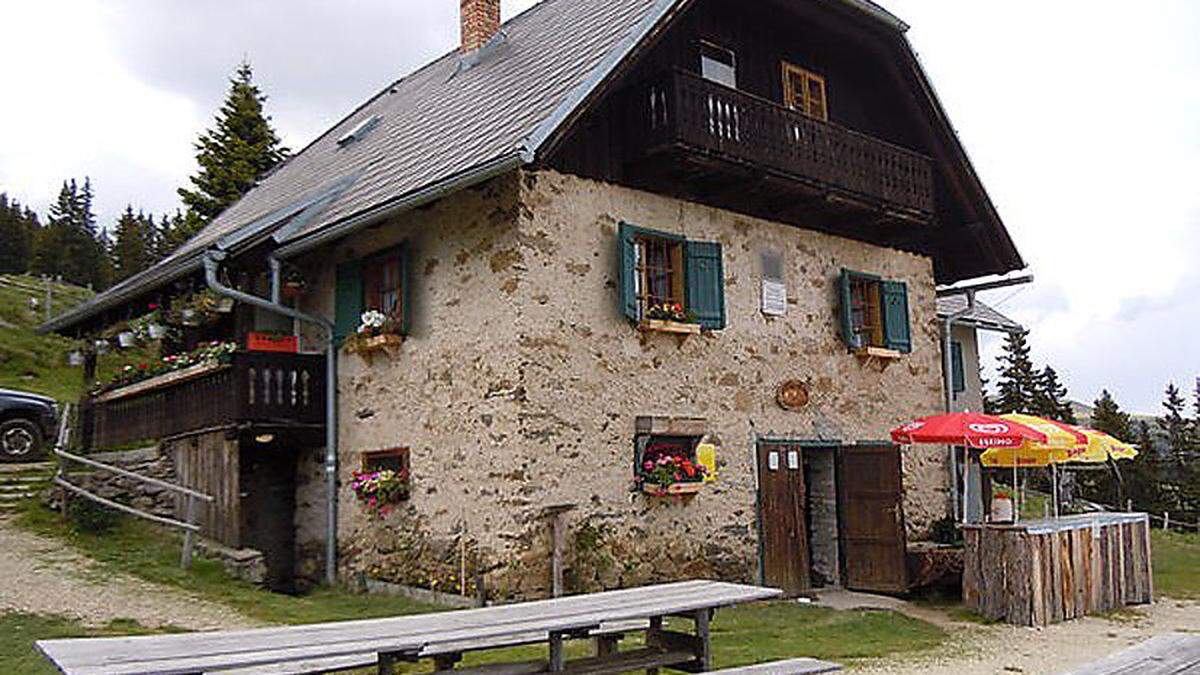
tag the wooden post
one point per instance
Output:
(558, 658)
(558, 541)
(387, 664)
(188, 535)
(1166, 521)
(653, 637)
(704, 658)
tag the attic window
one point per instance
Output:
(718, 64)
(359, 131)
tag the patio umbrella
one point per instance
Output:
(973, 430)
(1062, 443)
(969, 429)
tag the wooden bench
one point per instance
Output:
(1170, 654)
(788, 667)
(443, 636)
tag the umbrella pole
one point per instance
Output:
(1054, 486)
(1016, 494)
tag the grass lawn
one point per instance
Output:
(38, 363)
(1176, 568)
(741, 635)
(19, 631)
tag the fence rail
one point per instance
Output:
(189, 526)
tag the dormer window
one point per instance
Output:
(804, 90)
(718, 64)
(360, 130)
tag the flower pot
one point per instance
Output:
(664, 326)
(292, 290)
(157, 332)
(188, 317)
(126, 339)
(1002, 509)
(101, 346)
(75, 358)
(690, 488)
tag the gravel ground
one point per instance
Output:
(1002, 649)
(42, 576)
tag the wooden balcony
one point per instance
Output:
(256, 389)
(730, 129)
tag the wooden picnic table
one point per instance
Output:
(445, 635)
(1171, 654)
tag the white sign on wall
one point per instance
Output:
(774, 298)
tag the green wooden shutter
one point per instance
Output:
(896, 330)
(406, 295)
(705, 283)
(958, 376)
(627, 254)
(848, 335)
(348, 300)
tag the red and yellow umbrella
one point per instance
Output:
(973, 430)
(1066, 443)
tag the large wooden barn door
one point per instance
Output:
(870, 502)
(781, 516)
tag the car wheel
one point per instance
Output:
(20, 441)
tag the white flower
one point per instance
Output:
(371, 319)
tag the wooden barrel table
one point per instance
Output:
(1039, 572)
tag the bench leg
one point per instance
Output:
(656, 624)
(607, 645)
(558, 657)
(444, 662)
(704, 658)
(387, 664)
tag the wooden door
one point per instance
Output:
(870, 506)
(781, 516)
(268, 479)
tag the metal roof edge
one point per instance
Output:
(661, 11)
(879, 13)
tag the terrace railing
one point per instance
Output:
(255, 387)
(682, 109)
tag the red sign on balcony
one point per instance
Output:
(267, 342)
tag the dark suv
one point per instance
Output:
(27, 423)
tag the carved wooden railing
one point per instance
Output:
(682, 109)
(259, 387)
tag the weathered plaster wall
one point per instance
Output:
(590, 373)
(972, 398)
(519, 386)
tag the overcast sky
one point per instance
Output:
(1082, 117)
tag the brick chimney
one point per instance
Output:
(480, 20)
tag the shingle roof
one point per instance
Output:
(981, 315)
(442, 121)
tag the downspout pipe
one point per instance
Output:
(948, 386)
(212, 265)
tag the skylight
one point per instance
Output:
(359, 131)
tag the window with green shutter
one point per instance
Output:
(380, 282)
(665, 278)
(958, 374)
(874, 312)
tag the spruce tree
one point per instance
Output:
(172, 232)
(233, 155)
(1109, 418)
(70, 246)
(1049, 397)
(133, 244)
(1175, 422)
(1018, 380)
(18, 226)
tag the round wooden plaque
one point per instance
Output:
(792, 395)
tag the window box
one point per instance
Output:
(369, 344)
(266, 342)
(663, 326)
(672, 490)
(878, 353)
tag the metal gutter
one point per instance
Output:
(212, 264)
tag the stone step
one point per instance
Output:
(39, 467)
(33, 486)
(16, 497)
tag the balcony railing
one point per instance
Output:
(683, 109)
(256, 387)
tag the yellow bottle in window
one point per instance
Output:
(706, 456)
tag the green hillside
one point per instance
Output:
(38, 363)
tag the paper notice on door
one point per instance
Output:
(793, 459)
(773, 461)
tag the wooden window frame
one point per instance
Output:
(374, 270)
(702, 45)
(810, 106)
(867, 292)
(675, 271)
(402, 454)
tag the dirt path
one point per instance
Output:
(975, 649)
(43, 576)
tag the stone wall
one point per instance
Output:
(520, 383)
(149, 462)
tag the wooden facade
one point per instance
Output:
(1043, 572)
(209, 463)
(255, 388)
